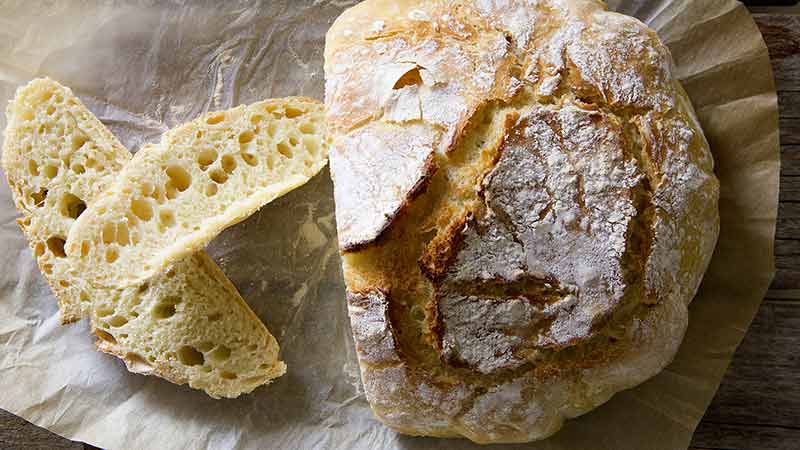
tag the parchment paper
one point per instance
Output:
(143, 67)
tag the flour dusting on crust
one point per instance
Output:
(525, 204)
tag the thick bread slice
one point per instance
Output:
(203, 177)
(57, 157)
(187, 324)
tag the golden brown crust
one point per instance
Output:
(549, 262)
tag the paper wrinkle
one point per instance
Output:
(145, 68)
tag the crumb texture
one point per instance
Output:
(204, 176)
(187, 324)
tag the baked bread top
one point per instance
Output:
(525, 204)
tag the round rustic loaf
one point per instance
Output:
(525, 203)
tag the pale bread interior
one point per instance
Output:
(187, 324)
(204, 176)
(57, 158)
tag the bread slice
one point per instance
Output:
(57, 158)
(187, 324)
(204, 176)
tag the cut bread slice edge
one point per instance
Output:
(57, 158)
(204, 176)
(187, 324)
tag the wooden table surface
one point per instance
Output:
(758, 403)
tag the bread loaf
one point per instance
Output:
(204, 176)
(187, 324)
(525, 204)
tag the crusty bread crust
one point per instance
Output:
(526, 205)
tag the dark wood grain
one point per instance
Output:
(16, 433)
(758, 403)
(782, 35)
(722, 436)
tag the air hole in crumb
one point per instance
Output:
(284, 150)
(27, 114)
(268, 160)
(165, 308)
(109, 233)
(50, 171)
(189, 356)
(170, 191)
(78, 141)
(272, 128)
(206, 369)
(213, 317)
(142, 209)
(147, 189)
(122, 234)
(250, 159)
(85, 245)
(56, 246)
(180, 177)
(111, 255)
(78, 168)
(206, 158)
(227, 375)
(117, 321)
(292, 112)
(38, 249)
(33, 168)
(293, 141)
(218, 176)
(64, 283)
(211, 189)
(220, 354)
(246, 136)
(228, 163)
(166, 217)
(307, 128)
(39, 197)
(104, 311)
(47, 269)
(256, 119)
(171, 273)
(106, 336)
(143, 287)
(72, 206)
(84, 297)
(215, 119)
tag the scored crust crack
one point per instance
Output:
(186, 323)
(525, 204)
